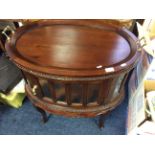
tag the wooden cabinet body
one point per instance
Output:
(74, 68)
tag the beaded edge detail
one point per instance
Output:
(63, 78)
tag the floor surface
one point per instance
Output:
(26, 121)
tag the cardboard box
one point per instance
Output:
(149, 80)
(136, 87)
(149, 85)
(136, 96)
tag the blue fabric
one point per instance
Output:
(26, 121)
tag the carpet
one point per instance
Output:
(26, 121)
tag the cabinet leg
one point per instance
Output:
(43, 114)
(101, 121)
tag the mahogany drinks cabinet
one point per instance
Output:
(74, 68)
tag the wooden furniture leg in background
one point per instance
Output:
(101, 121)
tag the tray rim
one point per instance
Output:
(129, 64)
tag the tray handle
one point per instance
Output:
(141, 43)
(8, 28)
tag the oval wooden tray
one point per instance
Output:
(76, 48)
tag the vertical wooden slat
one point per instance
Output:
(106, 90)
(111, 88)
(100, 96)
(85, 94)
(52, 90)
(68, 94)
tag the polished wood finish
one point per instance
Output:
(68, 94)
(72, 47)
(83, 63)
(75, 48)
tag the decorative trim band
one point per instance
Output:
(65, 78)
